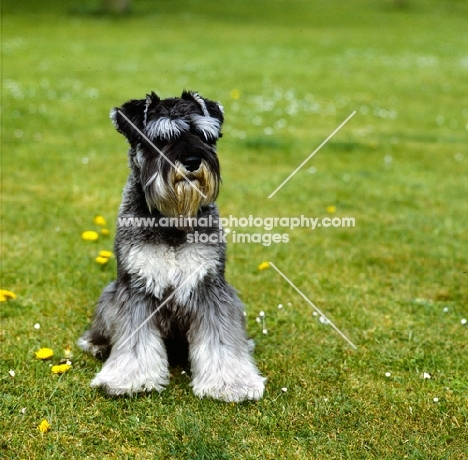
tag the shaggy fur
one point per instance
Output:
(170, 302)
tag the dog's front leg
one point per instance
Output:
(138, 359)
(222, 366)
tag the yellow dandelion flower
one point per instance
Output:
(105, 231)
(44, 353)
(101, 260)
(44, 426)
(235, 94)
(331, 209)
(99, 220)
(60, 368)
(264, 266)
(106, 254)
(90, 235)
(5, 295)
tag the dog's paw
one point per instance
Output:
(125, 387)
(100, 349)
(127, 380)
(248, 387)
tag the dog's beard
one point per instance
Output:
(183, 193)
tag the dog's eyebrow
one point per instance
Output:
(167, 128)
(207, 125)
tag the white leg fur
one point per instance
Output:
(139, 365)
(223, 369)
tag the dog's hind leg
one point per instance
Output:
(222, 366)
(96, 340)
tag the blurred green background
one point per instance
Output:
(287, 73)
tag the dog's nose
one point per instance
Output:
(192, 163)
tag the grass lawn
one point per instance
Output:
(287, 73)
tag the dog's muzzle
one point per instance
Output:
(182, 180)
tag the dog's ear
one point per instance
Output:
(209, 108)
(216, 110)
(130, 119)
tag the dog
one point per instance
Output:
(170, 303)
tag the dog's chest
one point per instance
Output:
(160, 267)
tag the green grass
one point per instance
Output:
(399, 167)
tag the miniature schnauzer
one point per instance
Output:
(170, 302)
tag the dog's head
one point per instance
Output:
(173, 150)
